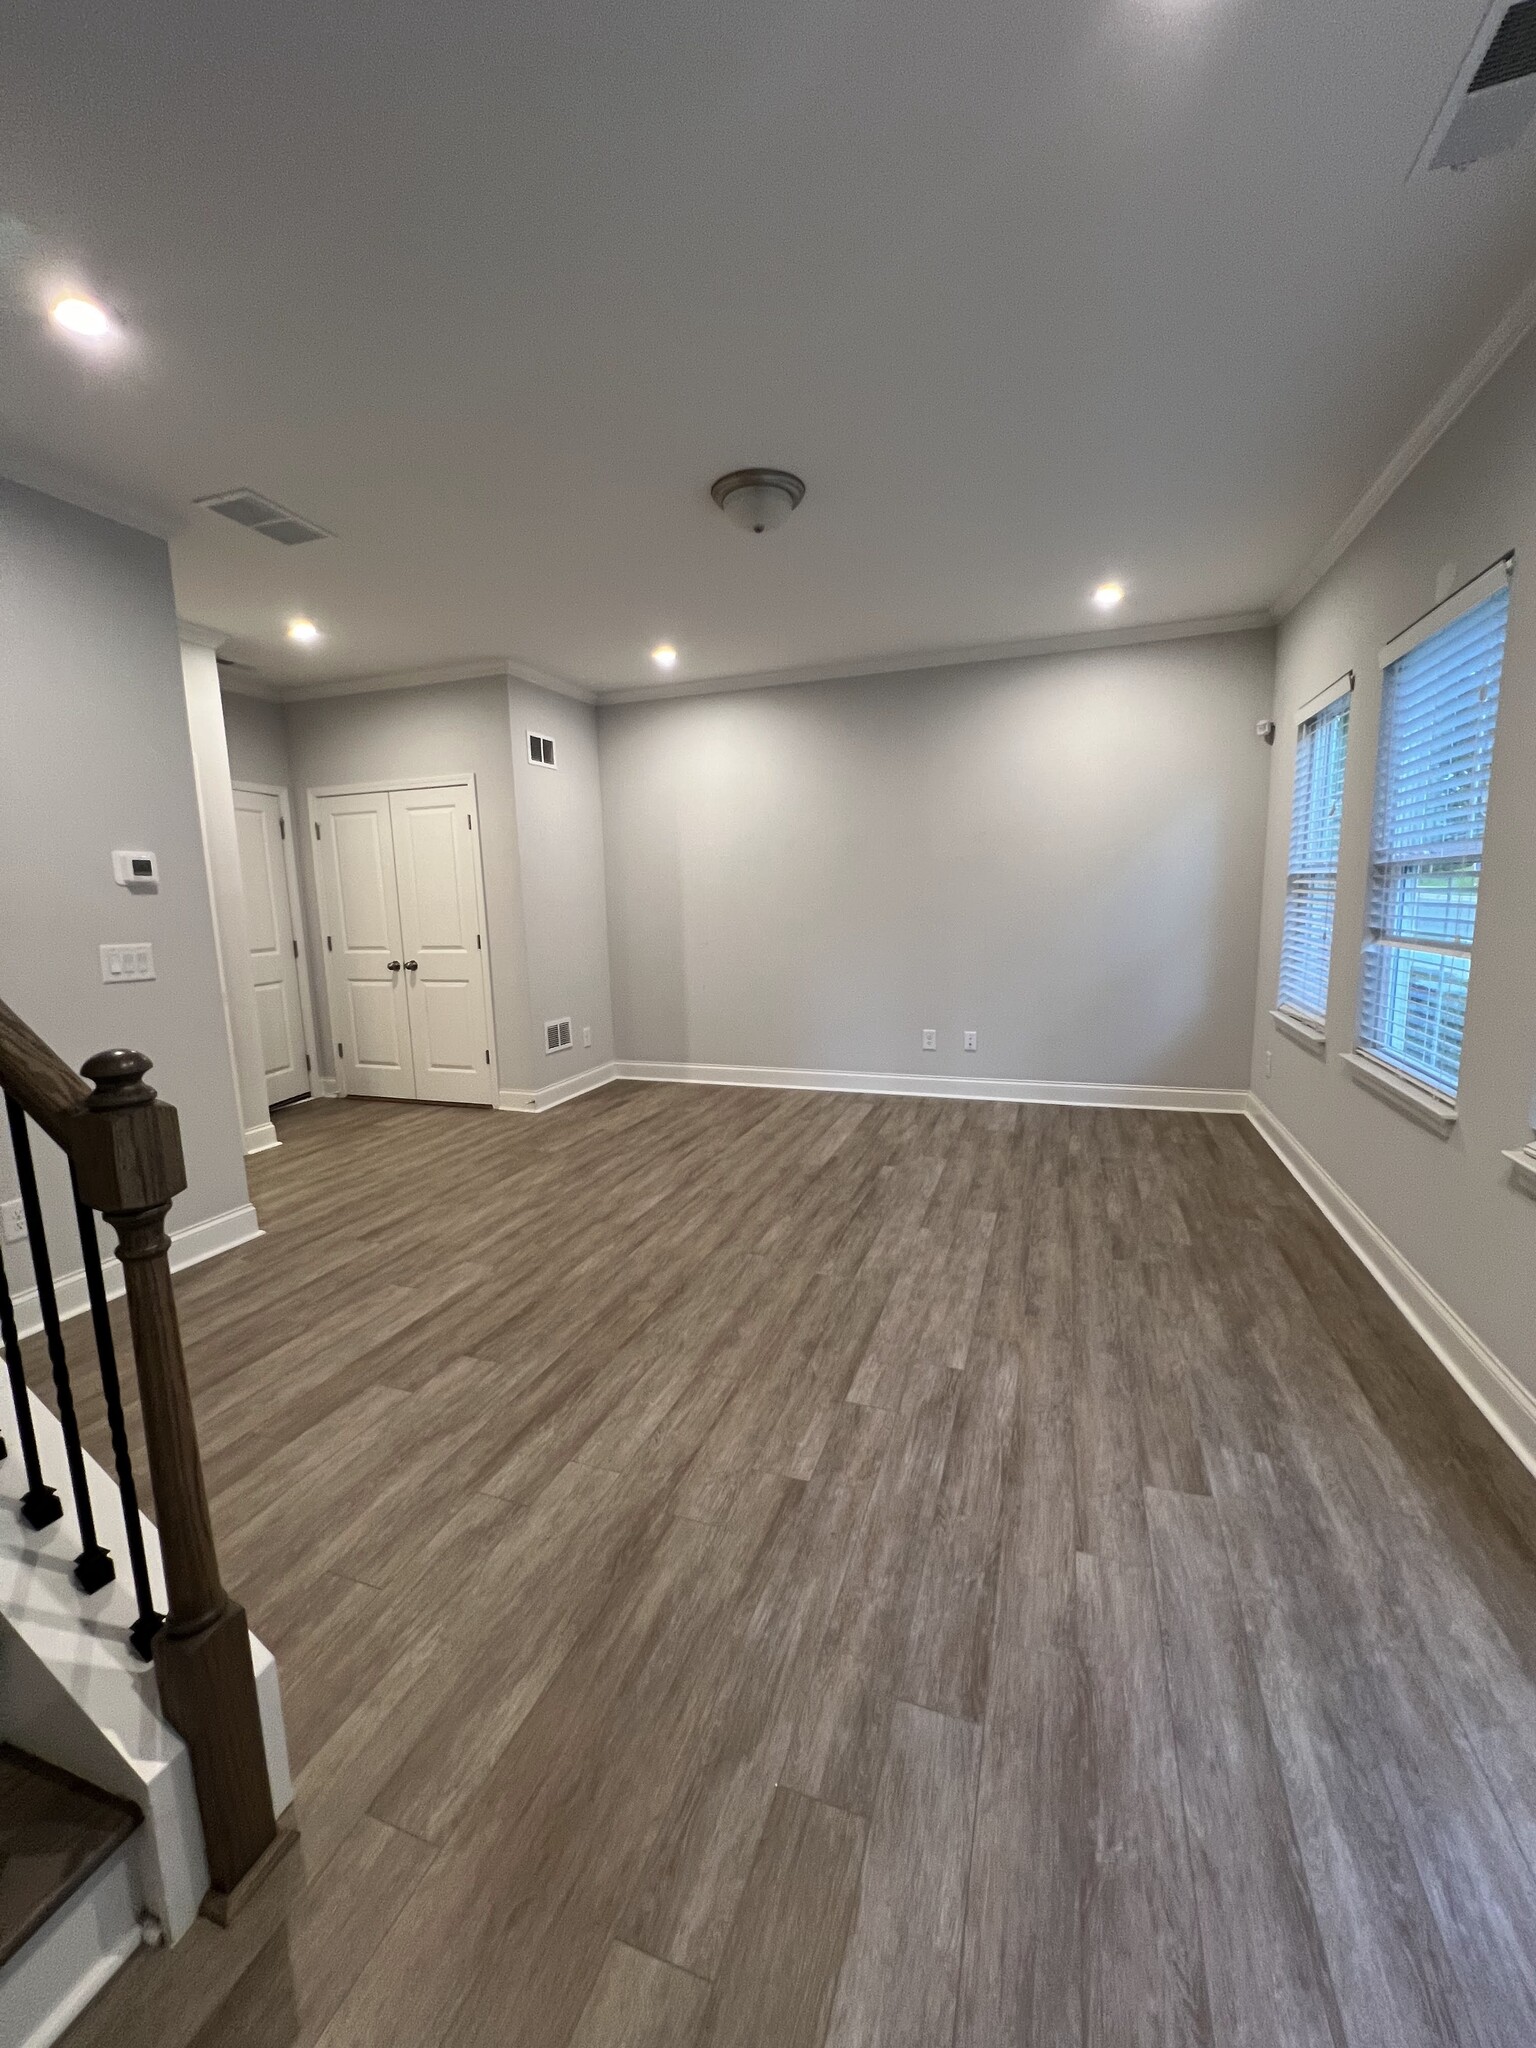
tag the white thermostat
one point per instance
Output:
(136, 870)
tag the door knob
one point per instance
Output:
(410, 966)
(393, 966)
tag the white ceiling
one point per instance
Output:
(1029, 291)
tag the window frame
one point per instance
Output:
(1419, 1085)
(1335, 702)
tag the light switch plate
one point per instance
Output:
(128, 963)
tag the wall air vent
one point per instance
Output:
(541, 750)
(249, 508)
(557, 1034)
(1491, 103)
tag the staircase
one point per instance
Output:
(142, 1756)
(68, 1905)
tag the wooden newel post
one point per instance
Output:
(127, 1155)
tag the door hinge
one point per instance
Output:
(340, 1050)
(295, 949)
(478, 947)
(317, 828)
(282, 828)
(328, 942)
(487, 1055)
(307, 1067)
(469, 819)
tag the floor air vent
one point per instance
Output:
(249, 508)
(1490, 106)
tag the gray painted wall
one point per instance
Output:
(565, 913)
(94, 755)
(388, 735)
(1447, 1204)
(1063, 854)
(256, 733)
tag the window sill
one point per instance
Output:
(1312, 1036)
(1523, 1168)
(1431, 1111)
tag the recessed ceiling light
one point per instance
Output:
(664, 656)
(305, 631)
(1108, 595)
(82, 316)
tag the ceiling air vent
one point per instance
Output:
(249, 508)
(1491, 103)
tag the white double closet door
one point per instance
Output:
(404, 953)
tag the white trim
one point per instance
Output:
(943, 657)
(487, 669)
(189, 1247)
(1495, 577)
(1453, 401)
(1506, 1403)
(296, 919)
(1523, 1161)
(328, 1087)
(1422, 1105)
(71, 1958)
(191, 634)
(1312, 1036)
(261, 1138)
(1316, 705)
(35, 471)
(942, 1087)
(381, 786)
(533, 1100)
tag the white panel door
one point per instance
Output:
(440, 932)
(370, 1017)
(274, 946)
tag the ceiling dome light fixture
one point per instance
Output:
(664, 656)
(757, 500)
(1108, 595)
(305, 631)
(81, 316)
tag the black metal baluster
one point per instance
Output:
(93, 1567)
(142, 1634)
(40, 1505)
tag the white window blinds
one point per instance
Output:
(1311, 883)
(1440, 699)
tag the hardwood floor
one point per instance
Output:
(754, 1568)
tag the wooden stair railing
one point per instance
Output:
(123, 1146)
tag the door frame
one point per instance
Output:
(381, 785)
(296, 917)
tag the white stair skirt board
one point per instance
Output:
(189, 1247)
(535, 1099)
(1508, 1405)
(944, 1087)
(73, 1692)
(55, 1976)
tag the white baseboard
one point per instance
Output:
(1508, 1405)
(536, 1099)
(189, 1247)
(261, 1138)
(945, 1087)
(325, 1085)
(52, 1979)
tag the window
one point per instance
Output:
(1311, 882)
(1440, 698)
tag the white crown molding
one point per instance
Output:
(194, 635)
(1480, 366)
(37, 472)
(945, 657)
(483, 668)
(237, 684)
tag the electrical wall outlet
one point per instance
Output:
(930, 1040)
(127, 963)
(970, 1041)
(13, 1221)
(586, 1034)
